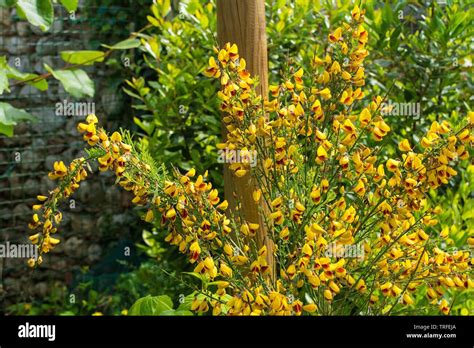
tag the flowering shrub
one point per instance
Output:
(348, 230)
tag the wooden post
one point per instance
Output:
(243, 22)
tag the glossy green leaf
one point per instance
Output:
(82, 57)
(10, 116)
(3, 82)
(124, 45)
(151, 305)
(70, 5)
(76, 82)
(12, 73)
(39, 13)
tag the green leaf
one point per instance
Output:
(6, 129)
(153, 21)
(166, 7)
(3, 82)
(151, 305)
(124, 45)
(148, 238)
(280, 26)
(10, 116)
(75, 82)
(39, 13)
(82, 57)
(468, 210)
(148, 127)
(70, 5)
(13, 73)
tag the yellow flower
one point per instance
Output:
(256, 195)
(116, 137)
(228, 250)
(59, 171)
(322, 155)
(317, 109)
(404, 145)
(406, 299)
(285, 233)
(310, 308)
(365, 117)
(348, 126)
(213, 197)
(31, 262)
(49, 243)
(324, 184)
(328, 295)
(444, 307)
(346, 98)
(315, 195)
(336, 35)
(360, 188)
(291, 271)
(425, 142)
(213, 70)
(195, 250)
(92, 119)
(392, 165)
(240, 173)
(224, 205)
(298, 79)
(334, 287)
(207, 267)
(314, 280)
(386, 288)
(325, 93)
(345, 75)
(465, 136)
(380, 130)
(225, 270)
(149, 215)
(171, 213)
(335, 68)
(361, 287)
(356, 13)
(34, 238)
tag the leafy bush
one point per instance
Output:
(419, 53)
(346, 226)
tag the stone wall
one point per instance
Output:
(26, 158)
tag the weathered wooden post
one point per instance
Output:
(243, 22)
